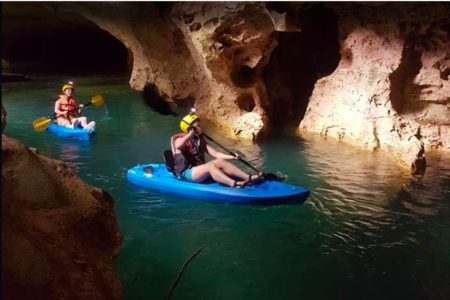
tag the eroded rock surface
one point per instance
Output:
(391, 87)
(230, 44)
(59, 235)
(375, 75)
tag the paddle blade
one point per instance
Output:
(97, 100)
(41, 124)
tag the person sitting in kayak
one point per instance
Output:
(66, 111)
(189, 148)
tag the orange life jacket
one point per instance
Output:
(67, 105)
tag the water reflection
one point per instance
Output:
(71, 152)
(364, 199)
(424, 195)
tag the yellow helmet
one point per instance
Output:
(66, 86)
(187, 120)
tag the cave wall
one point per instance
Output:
(391, 87)
(374, 75)
(161, 60)
(230, 44)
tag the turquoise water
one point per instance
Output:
(368, 230)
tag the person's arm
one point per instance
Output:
(179, 143)
(80, 107)
(214, 153)
(57, 111)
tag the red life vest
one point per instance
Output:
(192, 153)
(67, 105)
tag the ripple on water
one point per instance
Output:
(365, 219)
(367, 201)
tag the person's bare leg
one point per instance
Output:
(63, 122)
(83, 121)
(200, 173)
(230, 169)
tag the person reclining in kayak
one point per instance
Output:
(66, 111)
(189, 150)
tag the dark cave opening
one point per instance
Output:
(57, 46)
(243, 76)
(299, 60)
(246, 102)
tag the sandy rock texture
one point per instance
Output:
(249, 67)
(375, 75)
(59, 235)
(230, 43)
(391, 88)
(209, 55)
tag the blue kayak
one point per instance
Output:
(264, 192)
(73, 133)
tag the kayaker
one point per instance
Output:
(66, 111)
(189, 148)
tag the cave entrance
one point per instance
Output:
(299, 60)
(41, 41)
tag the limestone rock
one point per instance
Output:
(230, 43)
(59, 235)
(392, 80)
(247, 124)
(375, 75)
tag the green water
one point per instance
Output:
(368, 231)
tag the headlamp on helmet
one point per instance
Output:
(187, 121)
(68, 85)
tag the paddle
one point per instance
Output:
(269, 176)
(42, 123)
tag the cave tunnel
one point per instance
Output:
(35, 42)
(299, 60)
